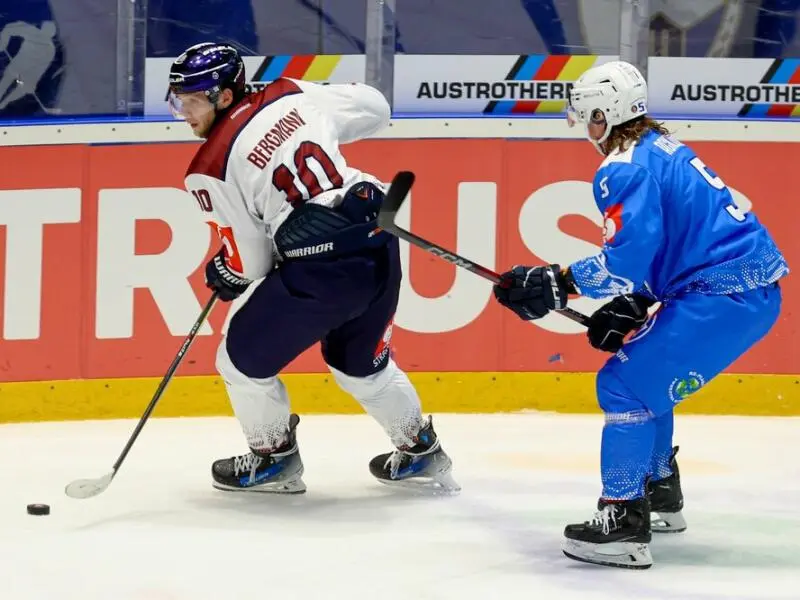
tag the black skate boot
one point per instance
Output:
(278, 472)
(666, 501)
(424, 465)
(617, 536)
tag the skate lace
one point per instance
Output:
(606, 518)
(393, 462)
(246, 462)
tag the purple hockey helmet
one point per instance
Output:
(207, 68)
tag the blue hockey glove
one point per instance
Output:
(612, 322)
(220, 277)
(532, 292)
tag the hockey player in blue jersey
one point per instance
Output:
(673, 236)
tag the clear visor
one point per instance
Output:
(572, 117)
(188, 107)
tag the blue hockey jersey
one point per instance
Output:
(671, 226)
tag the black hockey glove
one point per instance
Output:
(532, 292)
(220, 277)
(610, 323)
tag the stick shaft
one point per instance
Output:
(394, 199)
(167, 378)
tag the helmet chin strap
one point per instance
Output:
(598, 144)
(214, 98)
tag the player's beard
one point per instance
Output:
(205, 127)
(202, 130)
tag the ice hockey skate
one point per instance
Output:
(666, 501)
(277, 472)
(617, 536)
(424, 466)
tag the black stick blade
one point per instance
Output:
(395, 196)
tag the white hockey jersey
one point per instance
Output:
(276, 149)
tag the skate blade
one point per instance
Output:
(428, 487)
(296, 486)
(667, 522)
(623, 555)
(442, 484)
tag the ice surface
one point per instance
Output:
(160, 532)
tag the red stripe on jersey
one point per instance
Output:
(231, 249)
(212, 157)
(613, 223)
(298, 66)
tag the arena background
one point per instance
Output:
(102, 257)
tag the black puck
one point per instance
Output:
(38, 509)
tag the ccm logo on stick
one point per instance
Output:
(450, 258)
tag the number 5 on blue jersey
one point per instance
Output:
(717, 183)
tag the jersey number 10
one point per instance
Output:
(718, 184)
(284, 178)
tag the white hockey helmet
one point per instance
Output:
(616, 88)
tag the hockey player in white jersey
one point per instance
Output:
(272, 182)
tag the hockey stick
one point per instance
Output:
(396, 195)
(86, 488)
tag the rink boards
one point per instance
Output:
(104, 253)
(310, 393)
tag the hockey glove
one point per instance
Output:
(532, 292)
(613, 321)
(223, 279)
(362, 202)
